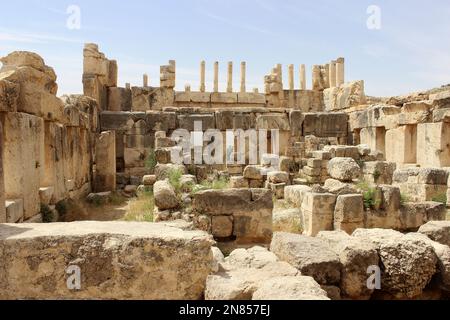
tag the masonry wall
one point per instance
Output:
(47, 142)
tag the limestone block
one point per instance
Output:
(349, 213)
(162, 170)
(294, 194)
(379, 172)
(273, 121)
(346, 96)
(165, 197)
(401, 145)
(163, 155)
(184, 261)
(238, 182)
(253, 172)
(14, 210)
(119, 99)
(290, 288)
(23, 159)
(277, 189)
(344, 169)
(356, 257)
(296, 122)
(318, 210)
(105, 159)
(187, 122)
(149, 180)
(287, 164)
(224, 97)
(161, 121)
(222, 226)
(311, 256)
(9, 96)
(325, 124)
(278, 177)
(432, 141)
(438, 231)
(414, 215)
(441, 115)
(251, 98)
(408, 264)
(200, 97)
(415, 112)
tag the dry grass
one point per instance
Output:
(140, 208)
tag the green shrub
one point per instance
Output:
(403, 199)
(441, 198)
(150, 162)
(47, 214)
(369, 195)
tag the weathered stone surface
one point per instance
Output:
(349, 213)
(409, 264)
(347, 96)
(288, 220)
(278, 177)
(311, 256)
(294, 194)
(344, 169)
(325, 124)
(251, 210)
(105, 158)
(273, 121)
(162, 170)
(14, 210)
(165, 197)
(339, 188)
(356, 257)
(317, 212)
(438, 231)
(290, 288)
(149, 180)
(115, 259)
(238, 182)
(243, 273)
(253, 172)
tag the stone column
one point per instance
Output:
(2, 181)
(105, 160)
(230, 77)
(216, 76)
(145, 80)
(291, 77)
(187, 87)
(202, 76)
(302, 77)
(255, 90)
(332, 75)
(340, 72)
(243, 71)
(128, 86)
(316, 78)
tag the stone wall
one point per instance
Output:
(47, 141)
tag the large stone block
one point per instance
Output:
(270, 121)
(251, 210)
(187, 122)
(325, 124)
(9, 96)
(344, 169)
(401, 145)
(432, 141)
(105, 159)
(438, 231)
(349, 213)
(408, 264)
(295, 194)
(119, 99)
(23, 159)
(114, 260)
(356, 258)
(347, 96)
(311, 256)
(317, 211)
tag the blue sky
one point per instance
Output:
(410, 52)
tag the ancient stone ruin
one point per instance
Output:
(298, 193)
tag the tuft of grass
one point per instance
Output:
(117, 199)
(47, 214)
(150, 162)
(403, 199)
(441, 198)
(141, 208)
(174, 176)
